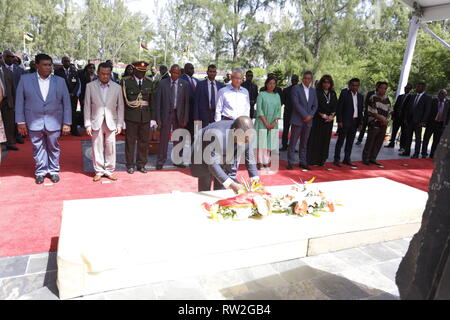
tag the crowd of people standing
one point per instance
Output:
(43, 102)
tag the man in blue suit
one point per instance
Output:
(42, 109)
(349, 115)
(304, 107)
(193, 82)
(225, 145)
(206, 97)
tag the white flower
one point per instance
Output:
(242, 213)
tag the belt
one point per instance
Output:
(226, 118)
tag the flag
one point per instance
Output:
(144, 47)
(28, 36)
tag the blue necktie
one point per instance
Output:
(212, 103)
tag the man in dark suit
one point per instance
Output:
(366, 114)
(205, 97)
(188, 76)
(68, 73)
(304, 102)
(417, 111)
(219, 165)
(397, 119)
(287, 93)
(171, 110)
(349, 115)
(7, 107)
(437, 121)
(9, 59)
(252, 89)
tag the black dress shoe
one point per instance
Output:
(284, 149)
(305, 167)
(358, 143)
(76, 134)
(376, 163)
(390, 145)
(415, 156)
(40, 179)
(337, 164)
(349, 163)
(289, 167)
(143, 170)
(159, 167)
(424, 156)
(130, 170)
(12, 148)
(54, 178)
(367, 163)
(181, 166)
(20, 140)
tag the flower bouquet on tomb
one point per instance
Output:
(255, 202)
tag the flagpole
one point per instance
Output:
(140, 41)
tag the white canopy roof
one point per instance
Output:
(430, 10)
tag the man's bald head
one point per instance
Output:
(243, 130)
(245, 123)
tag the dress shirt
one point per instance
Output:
(306, 91)
(10, 67)
(417, 98)
(104, 87)
(2, 88)
(209, 91)
(192, 82)
(138, 81)
(355, 104)
(232, 103)
(67, 72)
(44, 85)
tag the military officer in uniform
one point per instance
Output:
(138, 114)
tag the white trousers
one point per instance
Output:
(104, 150)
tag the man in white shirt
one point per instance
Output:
(42, 109)
(233, 101)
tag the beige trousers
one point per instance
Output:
(104, 150)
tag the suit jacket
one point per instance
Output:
(435, 108)
(201, 101)
(191, 94)
(10, 87)
(287, 98)
(162, 101)
(420, 113)
(399, 107)
(96, 110)
(217, 165)
(17, 73)
(38, 114)
(345, 109)
(72, 80)
(302, 108)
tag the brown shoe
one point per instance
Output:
(112, 177)
(97, 178)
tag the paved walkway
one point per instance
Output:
(360, 273)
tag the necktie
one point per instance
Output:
(173, 92)
(192, 83)
(140, 84)
(212, 102)
(417, 100)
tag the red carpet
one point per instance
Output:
(31, 214)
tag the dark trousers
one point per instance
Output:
(167, 126)
(363, 128)
(301, 133)
(413, 128)
(346, 134)
(204, 183)
(286, 128)
(434, 129)
(137, 132)
(374, 142)
(8, 116)
(74, 103)
(396, 126)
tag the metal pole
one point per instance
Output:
(414, 26)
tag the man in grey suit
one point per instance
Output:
(42, 109)
(171, 110)
(222, 163)
(304, 107)
(103, 119)
(7, 107)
